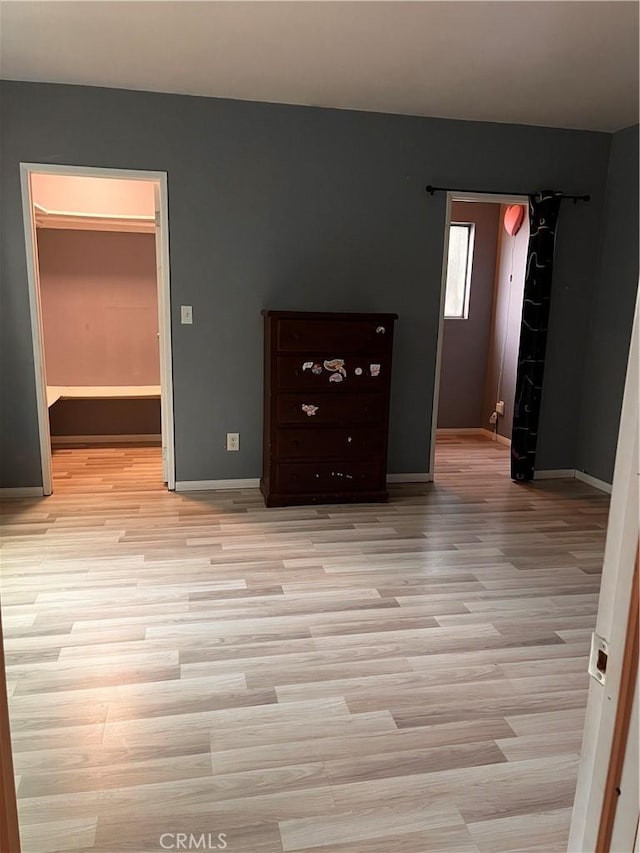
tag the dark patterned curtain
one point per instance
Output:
(543, 216)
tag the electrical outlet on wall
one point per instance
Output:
(493, 417)
(233, 441)
(500, 407)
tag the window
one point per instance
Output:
(456, 300)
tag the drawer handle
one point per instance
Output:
(309, 409)
(380, 330)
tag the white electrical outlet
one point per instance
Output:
(500, 407)
(493, 417)
(233, 441)
(186, 315)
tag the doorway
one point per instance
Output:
(97, 247)
(483, 272)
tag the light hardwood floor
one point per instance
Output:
(407, 677)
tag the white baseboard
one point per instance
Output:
(555, 474)
(422, 477)
(593, 481)
(253, 483)
(216, 485)
(572, 473)
(495, 436)
(61, 440)
(22, 492)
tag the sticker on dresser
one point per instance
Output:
(335, 365)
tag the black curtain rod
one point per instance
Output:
(431, 190)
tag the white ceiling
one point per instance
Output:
(565, 64)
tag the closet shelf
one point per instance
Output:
(62, 219)
(101, 392)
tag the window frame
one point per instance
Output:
(471, 229)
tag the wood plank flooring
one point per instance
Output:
(407, 677)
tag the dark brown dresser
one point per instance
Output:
(327, 379)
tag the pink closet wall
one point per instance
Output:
(99, 307)
(93, 195)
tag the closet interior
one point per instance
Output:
(97, 273)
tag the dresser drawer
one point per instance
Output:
(330, 408)
(363, 373)
(329, 443)
(341, 336)
(327, 477)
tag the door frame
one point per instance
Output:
(159, 179)
(603, 738)
(487, 198)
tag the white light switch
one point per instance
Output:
(186, 315)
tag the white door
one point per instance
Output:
(614, 612)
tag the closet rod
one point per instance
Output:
(431, 190)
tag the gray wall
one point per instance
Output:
(465, 342)
(294, 208)
(505, 324)
(612, 312)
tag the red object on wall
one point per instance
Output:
(513, 219)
